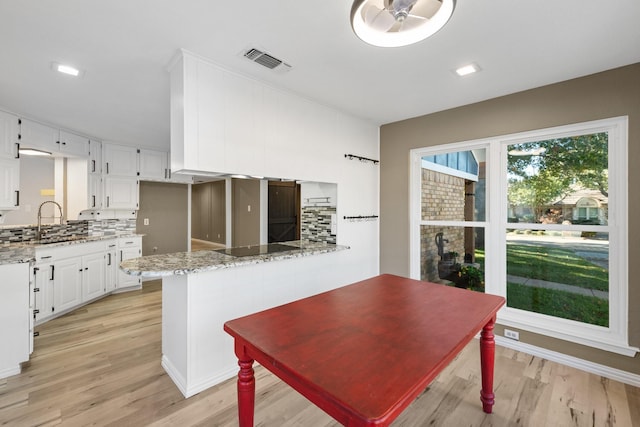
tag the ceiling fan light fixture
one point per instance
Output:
(395, 23)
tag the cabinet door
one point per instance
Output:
(111, 267)
(120, 160)
(93, 276)
(152, 164)
(120, 192)
(94, 185)
(67, 284)
(9, 131)
(43, 291)
(9, 183)
(73, 145)
(95, 157)
(128, 248)
(37, 135)
(14, 328)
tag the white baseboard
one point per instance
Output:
(574, 362)
(189, 389)
(8, 372)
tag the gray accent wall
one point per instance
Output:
(245, 222)
(208, 212)
(166, 206)
(603, 95)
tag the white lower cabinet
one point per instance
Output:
(93, 276)
(15, 315)
(128, 248)
(67, 284)
(111, 267)
(69, 276)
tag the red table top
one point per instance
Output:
(366, 350)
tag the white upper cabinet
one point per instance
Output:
(152, 164)
(9, 163)
(73, 145)
(38, 136)
(120, 192)
(9, 184)
(119, 160)
(9, 131)
(95, 157)
(42, 137)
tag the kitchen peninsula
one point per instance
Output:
(202, 290)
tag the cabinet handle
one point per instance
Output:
(36, 334)
(18, 149)
(36, 290)
(93, 165)
(45, 257)
(93, 203)
(35, 311)
(107, 201)
(107, 168)
(17, 197)
(109, 258)
(53, 269)
(120, 256)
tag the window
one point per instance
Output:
(538, 217)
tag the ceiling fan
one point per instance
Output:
(391, 23)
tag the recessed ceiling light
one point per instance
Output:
(467, 69)
(66, 69)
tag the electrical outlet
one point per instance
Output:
(248, 208)
(146, 221)
(512, 334)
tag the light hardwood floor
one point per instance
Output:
(203, 245)
(100, 365)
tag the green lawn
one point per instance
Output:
(555, 265)
(557, 303)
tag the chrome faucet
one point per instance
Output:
(39, 231)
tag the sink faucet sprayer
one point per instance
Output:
(38, 232)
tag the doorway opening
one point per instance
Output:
(283, 217)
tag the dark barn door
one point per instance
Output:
(284, 211)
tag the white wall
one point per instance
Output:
(222, 122)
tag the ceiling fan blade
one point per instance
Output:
(412, 21)
(379, 19)
(426, 8)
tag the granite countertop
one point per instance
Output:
(200, 261)
(16, 253)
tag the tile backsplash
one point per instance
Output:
(107, 227)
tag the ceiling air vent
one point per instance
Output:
(266, 60)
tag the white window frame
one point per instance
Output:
(613, 338)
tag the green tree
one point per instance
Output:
(543, 171)
(581, 160)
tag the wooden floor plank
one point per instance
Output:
(100, 365)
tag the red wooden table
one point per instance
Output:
(364, 352)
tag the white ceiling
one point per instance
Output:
(124, 47)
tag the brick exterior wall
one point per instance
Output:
(442, 198)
